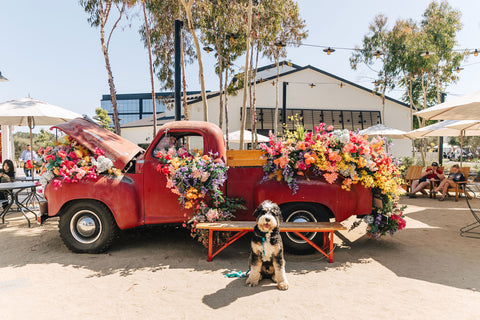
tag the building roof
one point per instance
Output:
(162, 118)
(297, 68)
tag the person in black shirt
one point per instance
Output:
(453, 177)
(7, 173)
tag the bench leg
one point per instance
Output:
(231, 240)
(330, 254)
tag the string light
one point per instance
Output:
(426, 54)
(312, 85)
(475, 53)
(280, 44)
(458, 69)
(378, 53)
(273, 83)
(208, 49)
(329, 50)
(341, 85)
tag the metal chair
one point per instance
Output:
(468, 231)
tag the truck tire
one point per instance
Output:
(303, 212)
(87, 227)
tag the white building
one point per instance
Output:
(315, 95)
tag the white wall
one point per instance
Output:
(326, 94)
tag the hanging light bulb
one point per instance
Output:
(208, 49)
(426, 54)
(312, 85)
(475, 53)
(378, 53)
(341, 85)
(273, 83)
(375, 83)
(329, 50)
(458, 69)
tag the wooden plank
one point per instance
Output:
(284, 227)
(245, 158)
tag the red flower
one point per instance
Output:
(165, 170)
(99, 152)
(29, 164)
(62, 154)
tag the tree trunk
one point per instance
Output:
(111, 85)
(226, 108)
(245, 76)
(253, 107)
(275, 116)
(150, 64)
(188, 10)
(411, 113)
(220, 78)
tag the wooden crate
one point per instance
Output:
(245, 158)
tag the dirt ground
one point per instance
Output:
(427, 271)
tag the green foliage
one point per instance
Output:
(162, 14)
(102, 116)
(422, 78)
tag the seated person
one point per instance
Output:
(7, 174)
(432, 173)
(453, 177)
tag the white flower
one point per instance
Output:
(342, 135)
(102, 163)
(46, 177)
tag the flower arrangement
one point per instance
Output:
(197, 179)
(72, 162)
(339, 156)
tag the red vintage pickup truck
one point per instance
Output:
(92, 211)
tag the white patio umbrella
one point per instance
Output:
(235, 137)
(30, 112)
(384, 131)
(448, 128)
(463, 108)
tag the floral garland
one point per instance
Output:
(197, 179)
(72, 162)
(343, 156)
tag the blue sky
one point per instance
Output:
(49, 51)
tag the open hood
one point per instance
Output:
(91, 135)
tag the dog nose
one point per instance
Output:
(267, 219)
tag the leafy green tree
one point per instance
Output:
(100, 11)
(45, 139)
(102, 116)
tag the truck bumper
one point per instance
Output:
(43, 215)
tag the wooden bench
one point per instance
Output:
(243, 227)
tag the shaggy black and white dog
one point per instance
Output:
(266, 257)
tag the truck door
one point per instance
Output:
(161, 204)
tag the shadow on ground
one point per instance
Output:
(445, 257)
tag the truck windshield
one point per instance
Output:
(178, 140)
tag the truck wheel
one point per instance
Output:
(87, 227)
(303, 212)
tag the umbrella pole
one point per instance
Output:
(30, 126)
(461, 146)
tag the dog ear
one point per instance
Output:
(257, 212)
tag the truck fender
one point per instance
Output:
(119, 195)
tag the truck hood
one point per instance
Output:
(89, 134)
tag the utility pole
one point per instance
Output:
(178, 71)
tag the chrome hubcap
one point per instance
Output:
(301, 216)
(86, 226)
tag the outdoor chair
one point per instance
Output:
(459, 187)
(413, 173)
(468, 231)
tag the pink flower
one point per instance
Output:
(99, 152)
(330, 128)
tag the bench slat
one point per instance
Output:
(284, 227)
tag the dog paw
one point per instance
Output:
(283, 285)
(251, 283)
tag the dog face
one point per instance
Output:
(268, 216)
